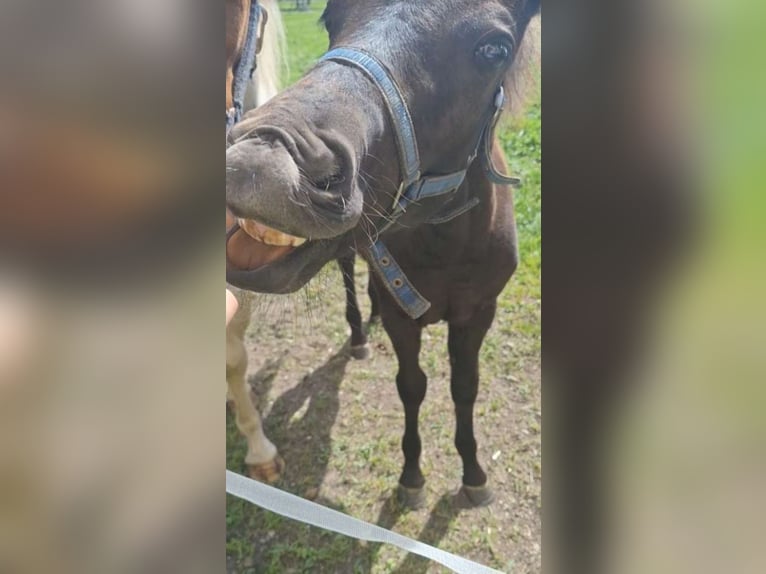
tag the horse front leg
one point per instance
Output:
(465, 341)
(411, 382)
(262, 459)
(359, 347)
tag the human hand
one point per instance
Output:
(231, 306)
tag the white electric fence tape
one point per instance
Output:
(308, 512)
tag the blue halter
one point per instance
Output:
(414, 186)
(243, 72)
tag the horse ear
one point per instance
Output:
(532, 8)
(529, 8)
(332, 18)
(264, 17)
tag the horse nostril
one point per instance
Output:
(329, 201)
(330, 181)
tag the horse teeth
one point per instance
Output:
(269, 236)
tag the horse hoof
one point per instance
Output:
(268, 472)
(474, 496)
(412, 498)
(360, 352)
(374, 319)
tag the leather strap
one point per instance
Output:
(406, 142)
(243, 72)
(396, 282)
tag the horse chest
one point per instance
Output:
(455, 275)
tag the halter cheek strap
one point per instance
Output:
(243, 72)
(414, 186)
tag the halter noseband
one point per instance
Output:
(414, 186)
(243, 72)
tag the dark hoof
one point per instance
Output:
(413, 498)
(361, 352)
(474, 496)
(374, 320)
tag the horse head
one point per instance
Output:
(378, 130)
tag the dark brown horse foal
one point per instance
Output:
(387, 146)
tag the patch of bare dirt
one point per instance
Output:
(338, 424)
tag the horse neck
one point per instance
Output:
(266, 81)
(498, 198)
(495, 208)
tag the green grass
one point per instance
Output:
(306, 38)
(339, 424)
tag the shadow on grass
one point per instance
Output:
(442, 516)
(263, 379)
(300, 424)
(437, 527)
(301, 420)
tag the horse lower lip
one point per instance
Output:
(245, 253)
(269, 236)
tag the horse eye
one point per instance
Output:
(494, 52)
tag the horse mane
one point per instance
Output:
(522, 82)
(272, 63)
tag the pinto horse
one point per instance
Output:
(387, 145)
(240, 249)
(262, 459)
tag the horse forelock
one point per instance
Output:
(266, 81)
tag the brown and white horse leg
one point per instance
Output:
(262, 460)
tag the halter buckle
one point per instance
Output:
(500, 98)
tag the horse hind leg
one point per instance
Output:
(464, 344)
(373, 295)
(262, 459)
(359, 347)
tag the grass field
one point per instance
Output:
(338, 423)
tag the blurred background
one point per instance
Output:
(111, 287)
(691, 448)
(653, 282)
